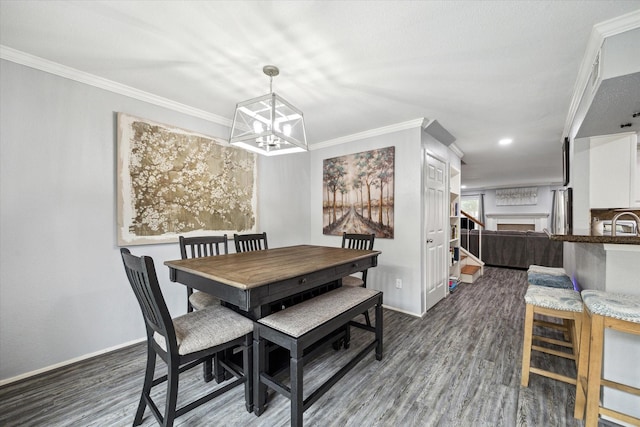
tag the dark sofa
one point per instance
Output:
(514, 249)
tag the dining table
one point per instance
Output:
(254, 282)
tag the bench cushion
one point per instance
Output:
(301, 318)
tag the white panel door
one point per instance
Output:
(436, 236)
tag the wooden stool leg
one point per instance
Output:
(595, 370)
(583, 366)
(576, 336)
(526, 346)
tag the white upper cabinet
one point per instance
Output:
(607, 87)
(612, 171)
(611, 96)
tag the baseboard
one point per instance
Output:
(69, 362)
(401, 311)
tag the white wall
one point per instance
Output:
(63, 293)
(400, 256)
(283, 199)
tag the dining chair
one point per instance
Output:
(362, 242)
(196, 247)
(185, 342)
(250, 242)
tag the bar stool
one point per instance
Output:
(559, 303)
(552, 277)
(602, 310)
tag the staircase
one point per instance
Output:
(471, 268)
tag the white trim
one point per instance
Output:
(536, 184)
(599, 32)
(619, 25)
(456, 150)
(518, 215)
(68, 362)
(42, 64)
(401, 311)
(538, 219)
(368, 134)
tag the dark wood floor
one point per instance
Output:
(459, 366)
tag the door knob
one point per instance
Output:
(429, 240)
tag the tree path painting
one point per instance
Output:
(174, 182)
(358, 193)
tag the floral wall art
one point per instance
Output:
(175, 182)
(358, 193)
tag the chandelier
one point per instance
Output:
(268, 124)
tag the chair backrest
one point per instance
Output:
(250, 242)
(144, 282)
(358, 241)
(196, 247)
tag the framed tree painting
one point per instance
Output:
(175, 182)
(358, 193)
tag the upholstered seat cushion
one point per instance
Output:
(555, 271)
(206, 328)
(550, 280)
(200, 300)
(301, 318)
(619, 306)
(554, 298)
(352, 281)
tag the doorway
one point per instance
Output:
(434, 198)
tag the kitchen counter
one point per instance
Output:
(588, 238)
(612, 264)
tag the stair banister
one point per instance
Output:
(481, 226)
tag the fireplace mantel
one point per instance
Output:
(538, 219)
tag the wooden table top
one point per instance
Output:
(249, 270)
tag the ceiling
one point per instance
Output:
(486, 70)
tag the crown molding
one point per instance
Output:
(481, 188)
(368, 134)
(45, 65)
(599, 33)
(456, 150)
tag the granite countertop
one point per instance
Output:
(588, 238)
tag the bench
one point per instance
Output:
(312, 324)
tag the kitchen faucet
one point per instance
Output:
(615, 220)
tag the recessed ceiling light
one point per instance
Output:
(505, 141)
(463, 186)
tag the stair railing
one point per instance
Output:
(481, 226)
